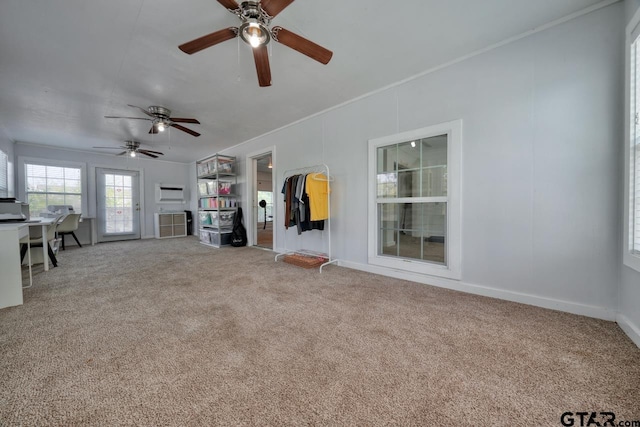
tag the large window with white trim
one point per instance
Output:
(414, 211)
(632, 150)
(53, 184)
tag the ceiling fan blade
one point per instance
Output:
(111, 148)
(122, 154)
(132, 118)
(147, 154)
(184, 129)
(229, 4)
(153, 130)
(141, 150)
(302, 45)
(261, 56)
(173, 119)
(209, 40)
(142, 109)
(274, 7)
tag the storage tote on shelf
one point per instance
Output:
(214, 238)
(223, 219)
(218, 164)
(205, 218)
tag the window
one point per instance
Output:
(414, 209)
(632, 151)
(48, 184)
(4, 174)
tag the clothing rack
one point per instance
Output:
(323, 169)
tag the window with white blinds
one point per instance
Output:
(634, 150)
(4, 174)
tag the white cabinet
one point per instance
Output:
(11, 280)
(170, 224)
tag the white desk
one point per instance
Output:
(10, 265)
(44, 223)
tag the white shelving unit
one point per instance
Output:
(217, 203)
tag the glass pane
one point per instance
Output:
(36, 184)
(118, 202)
(72, 173)
(388, 243)
(72, 186)
(36, 171)
(55, 199)
(434, 231)
(434, 181)
(55, 185)
(75, 201)
(388, 217)
(408, 155)
(434, 166)
(37, 203)
(55, 172)
(387, 185)
(409, 183)
(414, 231)
(387, 158)
(388, 214)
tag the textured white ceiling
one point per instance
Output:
(65, 64)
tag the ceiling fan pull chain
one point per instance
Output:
(238, 53)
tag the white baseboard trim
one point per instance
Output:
(603, 313)
(629, 328)
(149, 237)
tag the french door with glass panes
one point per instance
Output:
(118, 211)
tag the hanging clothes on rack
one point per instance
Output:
(299, 205)
(317, 187)
(307, 206)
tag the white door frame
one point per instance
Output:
(251, 191)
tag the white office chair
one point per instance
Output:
(68, 225)
(36, 240)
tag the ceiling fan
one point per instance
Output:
(132, 148)
(254, 30)
(161, 119)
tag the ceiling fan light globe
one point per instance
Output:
(132, 153)
(254, 33)
(161, 127)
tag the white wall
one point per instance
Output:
(265, 181)
(540, 163)
(7, 145)
(153, 171)
(629, 297)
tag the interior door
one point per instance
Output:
(263, 201)
(118, 213)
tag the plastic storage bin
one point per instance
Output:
(221, 219)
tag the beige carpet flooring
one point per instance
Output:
(173, 333)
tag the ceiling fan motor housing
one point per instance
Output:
(132, 145)
(160, 112)
(255, 24)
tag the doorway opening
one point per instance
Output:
(263, 199)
